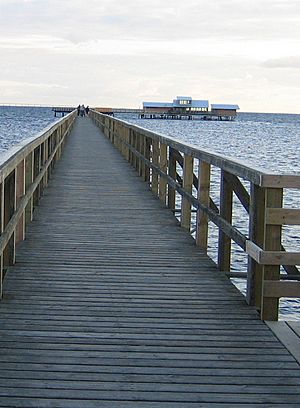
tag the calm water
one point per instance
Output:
(19, 123)
(269, 141)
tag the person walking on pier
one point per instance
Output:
(82, 110)
(78, 110)
(87, 109)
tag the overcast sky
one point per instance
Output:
(120, 53)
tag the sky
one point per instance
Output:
(119, 53)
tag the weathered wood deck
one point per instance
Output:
(110, 304)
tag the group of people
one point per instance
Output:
(82, 110)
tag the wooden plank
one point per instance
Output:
(281, 289)
(295, 326)
(280, 181)
(287, 337)
(271, 257)
(283, 216)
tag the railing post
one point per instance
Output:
(143, 152)
(46, 150)
(131, 155)
(188, 175)
(203, 197)
(163, 164)
(9, 209)
(2, 194)
(171, 173)
(257, 235)
(148, 157)
(269, 309)
(126, 140)
(36, 170)
(20, 191)
(155, 160)
(224, 247)
(138, 148)
(29, 163)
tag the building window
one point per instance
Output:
(184, 102)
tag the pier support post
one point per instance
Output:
(20, 191)
(29, 162)
(1, 230)
(257, 235)
(224, 250)
(269, 309)
(203, 197)
(188, 175)
(163, 164)
(147, 156)
(171, 173)
(155, 160)
(9, 209)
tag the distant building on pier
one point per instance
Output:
(184, 107)
(224, 110)
(180, 105)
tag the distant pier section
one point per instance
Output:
(182, 108)
(62, 110)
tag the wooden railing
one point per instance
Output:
(174, 169)
(24, 173)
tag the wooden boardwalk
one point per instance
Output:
(110, 304)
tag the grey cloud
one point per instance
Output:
(285, 62)
(152, 19)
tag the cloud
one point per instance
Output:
(19, 84)
(287, 62)
(121, 52)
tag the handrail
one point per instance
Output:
(24, 173)
(168, 165)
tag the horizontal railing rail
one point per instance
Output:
(24, 174)
(180, 174)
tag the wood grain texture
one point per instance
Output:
(111, 303)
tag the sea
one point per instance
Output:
(265, 140)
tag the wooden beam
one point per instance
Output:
(203, 197)
(20, 191)
(271, 257)
(280, 181)
(172, 174)
(283, 216)
(224, 243)
(188, 171)
(257, 236)
(155, 161)
(269, 310)
(278, 289)
(163, 164)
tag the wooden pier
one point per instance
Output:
(108, 302)
(62, 110)
(187, 116)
